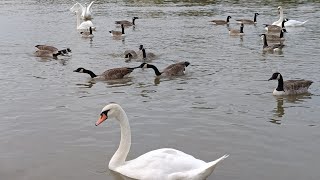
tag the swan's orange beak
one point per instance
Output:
(102, 118)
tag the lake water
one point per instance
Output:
(223, 105)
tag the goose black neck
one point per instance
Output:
(133, 21)
(265, 44)
(156, 71)
(281, 34)
(122, 28)
(228, 19)
(255, 18)
(241, 29)
(144, 53)
(90, 73)
(280, 84)
(282, 24)
(90, 29)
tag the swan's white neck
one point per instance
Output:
(120, 155)
(281, 16)
(78, 18)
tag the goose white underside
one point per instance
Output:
(290, 92)
(162, 164)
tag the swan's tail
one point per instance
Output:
(304, 22)
(201, 173)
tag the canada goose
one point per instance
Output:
(87, 34)
(248, 21)
(272, 37)
(50, 51)
(127, 23)
(110, 74)
(289, 87)
(290, 22)
(274, 47)
(146, 56)
(236, 32)
(275, 28)
(221, 22)
(47, 53)
(176, 69)
(118, 33)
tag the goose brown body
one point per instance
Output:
(221, 22)
(110, 74)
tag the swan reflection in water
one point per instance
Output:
(279, 110)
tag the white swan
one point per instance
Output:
(85, 25)
(84, 11)
(290, 22)
(160, 164)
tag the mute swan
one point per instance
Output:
(290, 22)
(84, 11)
(176, 69)
(289, 87)
(85, 25)
(236, 32)
(118, 33)
(110, 74)
(221, 22)
(270, 48)
(248, 21)
(127, 23)
(87, 34)
(160, 164)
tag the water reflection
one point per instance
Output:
(111, 83)
(279, 110)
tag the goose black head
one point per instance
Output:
(256, 14)
(129, 55)
(275, 76)
(135, 17)
(80, 70)
(69, 50)
(140, 47)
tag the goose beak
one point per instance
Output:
(270, 79)
(102, 118)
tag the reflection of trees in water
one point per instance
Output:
(279, 110)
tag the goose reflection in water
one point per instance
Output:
(111, 83)
(279, 110)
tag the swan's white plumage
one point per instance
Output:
(160, 164)
(85, 11)
(290, 22)
(85, 25)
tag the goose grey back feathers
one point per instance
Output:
(275, 28)
(277, 38)
(127, 23)
(110, 74)
(46, 53)
(118, 33)
(176, 69)
(221, 22)
(236, 32)
(87, 34)
(290, 87)
(50, 51)
(248, 21)
(270, 48)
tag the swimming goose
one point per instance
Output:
(248, 21)
(84, 11)
(272, 37)
(275, 28)
(51, 49)
(110, 74)
(236, 32)
(290, 22)
(221, 22)
(118, 33)
(130, 54)
(274, 47)
(289, 87)
(47, 53)
(164, 164)
(127, 23)
(176, 69)
(87, 34)
(146, 56)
